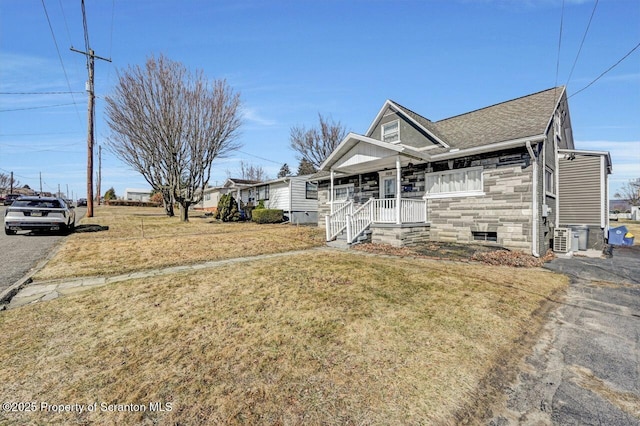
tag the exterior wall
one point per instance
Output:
(400, 236)
(583, 197)
(580, 193)
(304, 217)
(410, 135)
(278, 196)
(299, 200)
(505, 209)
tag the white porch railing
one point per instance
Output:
(374, 211)
(337, 221)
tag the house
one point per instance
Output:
(294, 195)
(134, 194)
(211, 195)
(503, 174)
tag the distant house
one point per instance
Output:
(133, 194)
(211, 195)
(506, 174)
(294, 195)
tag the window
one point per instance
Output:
(485, 236)
(455, 182)
(343, 192)
(262, 192)
(391, 131)
(549, 183)
(311, 191)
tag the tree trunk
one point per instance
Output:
(168, 203)
(184, 211)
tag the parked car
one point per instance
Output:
(9, 199)
(39, 213)
(81, 202)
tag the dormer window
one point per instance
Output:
(391, 131)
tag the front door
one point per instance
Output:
(388, 187)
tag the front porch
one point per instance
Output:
(352, 220)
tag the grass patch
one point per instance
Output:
(145, 238)
(323, 338)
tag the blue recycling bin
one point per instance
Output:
(616, 235)
(628, 240)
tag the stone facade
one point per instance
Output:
(505, 208)
(406, 235)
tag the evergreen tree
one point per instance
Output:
(306, 168)
(284, 171)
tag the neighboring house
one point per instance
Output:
(132, 194)
(500, 174)
(294, 195)
(212, 195)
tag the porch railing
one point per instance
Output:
(337, 221)
(360, 220)
(373, 211)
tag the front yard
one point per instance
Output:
(325, 337)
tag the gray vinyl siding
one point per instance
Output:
(410, 135)
(580, 191)
(299, 197)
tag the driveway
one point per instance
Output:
(585, 369)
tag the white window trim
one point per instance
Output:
(335, 187)
(457, 193)
(386, 124)
(551, 193)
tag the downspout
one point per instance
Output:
(534, 204)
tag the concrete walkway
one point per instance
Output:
(49, 290)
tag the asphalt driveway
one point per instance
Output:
(585, 369)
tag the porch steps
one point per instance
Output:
(341, 239)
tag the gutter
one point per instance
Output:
(487, 148)
(534, 203)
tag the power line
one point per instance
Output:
(38, 93)
(38, 107)
(59, 56)
(559, 44)
(582, 42)
(608, 69)
(261, 158)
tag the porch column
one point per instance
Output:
(398, 189)
(331, 193)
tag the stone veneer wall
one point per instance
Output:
(405, 235)
(505, 209)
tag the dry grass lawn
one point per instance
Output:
(145, 238)
(328, 338)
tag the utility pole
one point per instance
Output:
(91, 56)
(99, 172)
(11, 184)
(40, 183)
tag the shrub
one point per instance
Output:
(267, 215)
(228, 209)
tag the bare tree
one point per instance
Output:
(630, 191)
(6, 184)
(250, 171)
(170, 125)
(314, 145)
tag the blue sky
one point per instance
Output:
(291, 60)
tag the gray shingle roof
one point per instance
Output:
(514, 119)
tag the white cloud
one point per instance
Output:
(252, 115)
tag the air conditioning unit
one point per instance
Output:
(561, 240)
